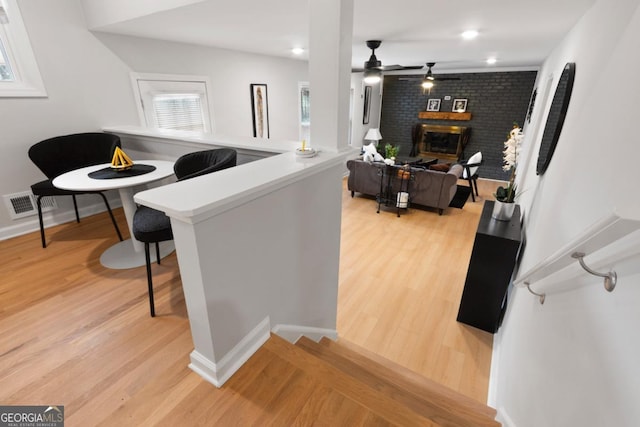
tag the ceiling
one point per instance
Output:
(518, 33)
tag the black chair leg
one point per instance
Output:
(158, 252)
(39, 203)
(75, 205)
(113, 219)
(152, 308)
(473, 197)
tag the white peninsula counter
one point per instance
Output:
(258, 247)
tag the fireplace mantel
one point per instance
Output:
(441, 115)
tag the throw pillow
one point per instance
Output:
(371, 154)
(440, 167)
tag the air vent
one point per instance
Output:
(23, 204)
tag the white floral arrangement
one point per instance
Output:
(510, 155)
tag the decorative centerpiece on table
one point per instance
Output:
(505, 196)
(120, 160)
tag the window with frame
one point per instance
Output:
(173, 102)
(304, 105)
(303, 112)
(19, 73)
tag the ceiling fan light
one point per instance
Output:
(371, 76)
(427, 83)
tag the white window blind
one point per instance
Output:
(178, 111)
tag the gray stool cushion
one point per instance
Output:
(150, 225)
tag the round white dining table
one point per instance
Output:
(128, 253)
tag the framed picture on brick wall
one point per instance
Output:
(459, 105)
(433, 104)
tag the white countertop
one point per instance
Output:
(237, 142)
(201, 197)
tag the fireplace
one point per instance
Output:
(441, 142)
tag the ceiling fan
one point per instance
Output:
(373, 67)
(428, 78)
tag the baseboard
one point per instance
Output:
(218, 373)
(492, 399)
(492, 396)
(50, 219)
(504, 418)
(292, 333)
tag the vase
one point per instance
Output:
(502, 211)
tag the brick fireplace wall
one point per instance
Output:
(495, 101)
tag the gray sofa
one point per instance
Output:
(427, 188)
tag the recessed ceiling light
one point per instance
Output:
(297, 51)
(491, 61)
(470, 34)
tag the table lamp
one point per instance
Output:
(374, 135)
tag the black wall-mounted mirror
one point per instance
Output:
(555, 120)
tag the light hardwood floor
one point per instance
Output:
(77, 334)
(401, 280)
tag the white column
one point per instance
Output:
(330, 34)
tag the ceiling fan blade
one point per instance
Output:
(397, 67)
(390, 67)
(443, 79)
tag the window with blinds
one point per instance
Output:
(173, 102)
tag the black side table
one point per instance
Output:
(492, 261)
(394, 180)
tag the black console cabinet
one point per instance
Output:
(492, 261)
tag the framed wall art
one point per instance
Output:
(433, 104)
(459, 105)
(260, 110)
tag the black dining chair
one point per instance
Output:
(470, 172)
(61, 154)
(153, 226)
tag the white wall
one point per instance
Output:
(231, 73)
(99, 13)
(87, 79)
(359, 129)
(87, 86)
(573, 360)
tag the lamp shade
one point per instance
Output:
(373, 134)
